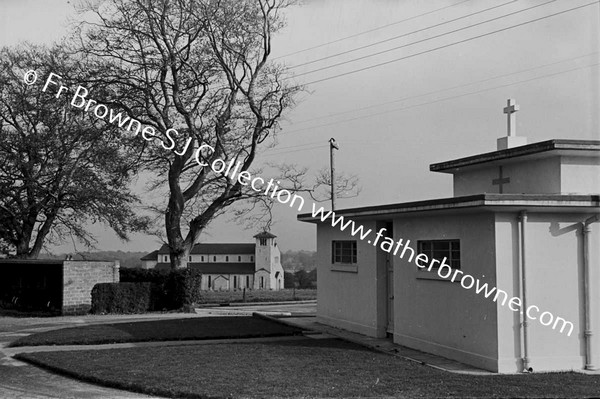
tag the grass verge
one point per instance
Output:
(304, 368)
(160, 330)
(257, 296)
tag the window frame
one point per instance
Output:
(453, 256)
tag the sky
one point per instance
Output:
(400, 85)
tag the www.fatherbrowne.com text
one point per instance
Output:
(232, 171)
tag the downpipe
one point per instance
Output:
(587, 333)
(522, 270)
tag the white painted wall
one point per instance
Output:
(347, 299)
(440, 316)
(554, 272)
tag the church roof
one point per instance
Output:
(216, 249)
(546, 202)
(214, 268)
(535, 150)
(265, 234)
(151, 256)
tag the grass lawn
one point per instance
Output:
(160, 330)
(257, 296)
(304, 368)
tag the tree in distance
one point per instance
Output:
(59, 167)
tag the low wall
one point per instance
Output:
(79, 277)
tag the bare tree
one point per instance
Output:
(199, 68)
(59, 169)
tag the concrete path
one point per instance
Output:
(383, 345)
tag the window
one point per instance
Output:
(343, 252)
(262, 282)
(190, 258)
(209, 282)
(263, 241)
(227, 259)
(214, 258)
(166, 258)
(440, 249)
(251, 258)
(202, 258)
(247, 281)
(235, 282)
(239, 258)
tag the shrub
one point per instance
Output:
(122, 298)
(143, 275)
(143, 290)
(182, 288)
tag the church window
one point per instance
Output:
(263, 241)
(227, 259)
(440, 249)
(235, 282)
(190, 258)
(251, 258)
(166, 259)
(247, 281)
(239, 258)
(343, 252)
(214, 258)
(209, 282)
(202, 258)
(262, 282)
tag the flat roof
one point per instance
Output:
(549, 202)
(566, 147)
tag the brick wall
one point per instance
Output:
(79, 277)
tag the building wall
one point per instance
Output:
(580, 175)
(554, 275)
(439, 316)
(79, 277)
(268, 257)
(347, 299)
(241, 279)
(535, 176)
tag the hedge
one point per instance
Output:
(147, 290)
(122, 298)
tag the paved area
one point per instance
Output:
(384, 345)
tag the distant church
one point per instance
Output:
(523, 218)
(227, 267)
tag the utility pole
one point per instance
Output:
(332, 146)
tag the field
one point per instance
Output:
(257, 296)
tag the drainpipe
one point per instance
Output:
(587, 333)
(522, 271)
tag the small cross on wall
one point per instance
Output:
(500, 181)
(510, 110)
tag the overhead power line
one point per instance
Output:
(451, 44)
(424, 40)
(400, 36)
(440, 100)
(370, 30)
(352, 111)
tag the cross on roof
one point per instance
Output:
(511, 108)
(500, 181)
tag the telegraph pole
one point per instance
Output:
(332, 146)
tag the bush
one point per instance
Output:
(143, 276)
(122, 298)
(182, 288)
(143, 290)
